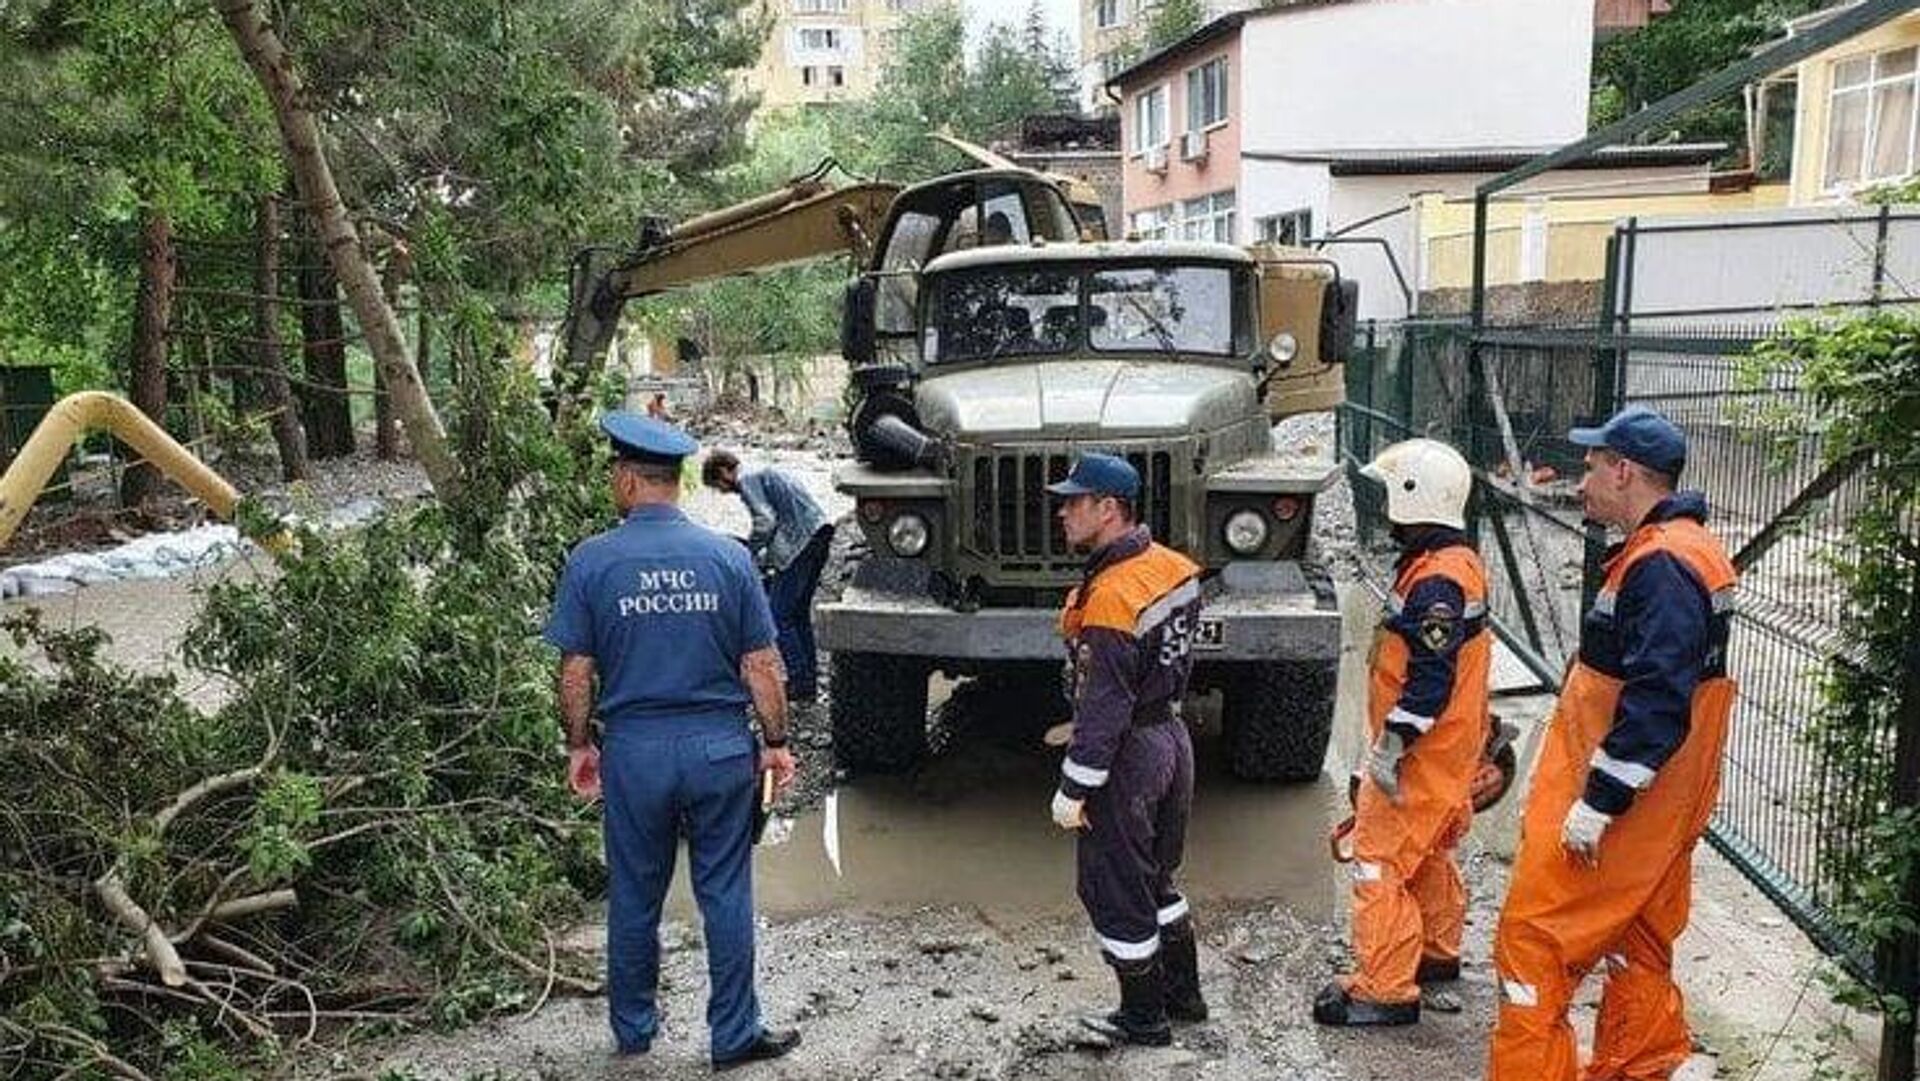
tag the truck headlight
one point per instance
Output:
(907, 535)
(1245, 532)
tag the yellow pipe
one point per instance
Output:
(74, 416)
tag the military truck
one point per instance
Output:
(990, 336)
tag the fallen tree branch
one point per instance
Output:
(160, 952)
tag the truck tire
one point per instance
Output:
(878, 710)
(1278, 717)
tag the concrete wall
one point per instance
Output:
(1419, 74)
(1757, 265)
(1813, 106)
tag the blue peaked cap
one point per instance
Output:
(1639, 434)
(1099, 474)
(643, 437)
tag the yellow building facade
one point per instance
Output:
(1857, 113)
(1555, 239)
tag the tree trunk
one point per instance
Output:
(325, 405)
(386, 442)
(300, 134)
(423, 335)
(270, 358)
(152, 316)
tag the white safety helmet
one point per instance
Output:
(1427, 483)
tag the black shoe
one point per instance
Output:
(771, 1043)
(1180, 960)
(632, 1050)
(1434, 970)
(1333, 1006)
(1142, 1016)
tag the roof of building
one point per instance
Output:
(1400, 162)
(1221, 27)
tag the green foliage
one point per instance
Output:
(1860, 383)
(1172, 20)
(1893, 194)
(1678, 49)
(390, 718)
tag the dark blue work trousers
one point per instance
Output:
(1135, 839)
(790, 595)
(658, 776)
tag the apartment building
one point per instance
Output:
(821, 51)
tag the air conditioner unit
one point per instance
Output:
(1156, 159)
(1193, 146)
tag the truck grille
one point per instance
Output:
(1013, 521)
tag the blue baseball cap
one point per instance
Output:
(1641, 435)
(647, 439)
(1099, 474)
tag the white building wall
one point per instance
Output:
(1418, 74)
(1280, 187)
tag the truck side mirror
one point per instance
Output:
(856, 322)
(1339, 319)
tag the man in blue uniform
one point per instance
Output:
(1126, 787)
(671, 617)
(791, 538)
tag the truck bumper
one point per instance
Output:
(1249, 612)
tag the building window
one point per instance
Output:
(1209, 217)
(903, 5)
(836, 76)
(1153, 223)
(1207, 95)
(1870, 127)
(819, 7)
(1293, 228)
(809, 76)
(1109, 13)
(818, 39)
(1150, 120)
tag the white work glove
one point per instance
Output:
(1580, 836)
(1383, 762)
(1069, 813)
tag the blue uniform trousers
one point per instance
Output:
(659, 776)
(790, 594)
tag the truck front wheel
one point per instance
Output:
(1277, 718)
(878, 710)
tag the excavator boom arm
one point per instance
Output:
(803, 221)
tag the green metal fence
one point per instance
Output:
(1794, 809)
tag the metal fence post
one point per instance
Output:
(1880, 255)
(1900, 959)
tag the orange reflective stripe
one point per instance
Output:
(1120, 593)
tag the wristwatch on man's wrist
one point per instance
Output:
(773, 744)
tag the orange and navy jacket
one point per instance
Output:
(1431, 611)
(1661, 630)
(1129, 632)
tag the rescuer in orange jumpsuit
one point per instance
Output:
(1627, 778)
(1427, 721)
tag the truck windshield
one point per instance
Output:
(990, 312)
